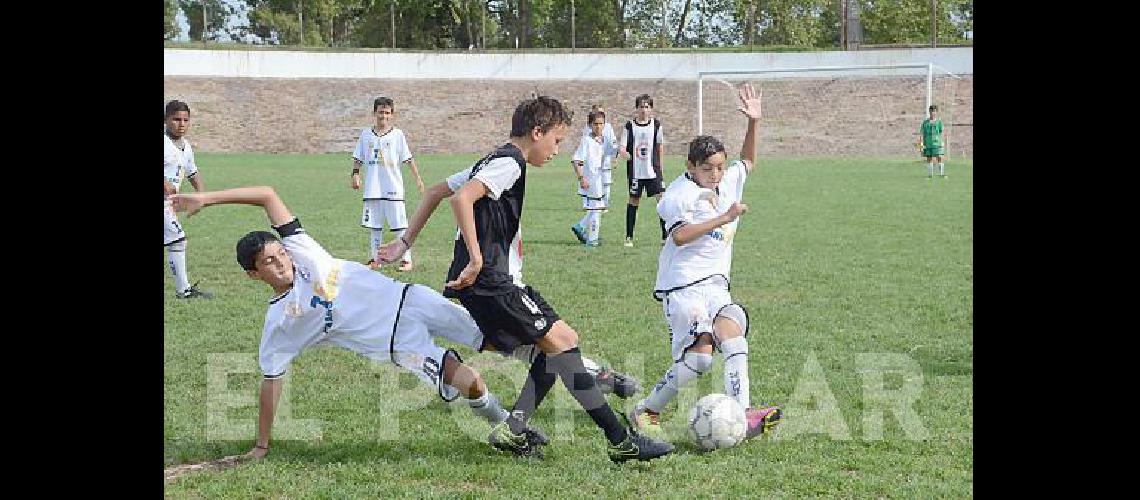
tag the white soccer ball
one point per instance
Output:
(717, 421)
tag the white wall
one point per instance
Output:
(534, 66)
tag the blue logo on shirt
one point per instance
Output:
(328, 310)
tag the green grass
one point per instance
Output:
(836, 261)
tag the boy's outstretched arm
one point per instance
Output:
(270, 395)
(262, 196)
(750, 106)
(393, 250)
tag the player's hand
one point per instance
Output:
(623, 154)
(389, 252)
(750, 101)
(736, 210)
(189, 203)
(257, 453)
(420, 185)
(355, 182)
(466, 277)
(583, 183)
(168, 188)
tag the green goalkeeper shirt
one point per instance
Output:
(932, 133)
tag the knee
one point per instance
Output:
(699, 362)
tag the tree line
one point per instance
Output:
(502, 24)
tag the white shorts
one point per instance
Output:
(171, 228)
(378, 211)
(425, 315)
(593, 203)
(691, 311)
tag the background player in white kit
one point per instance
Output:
(593, 152)
(643, 143)
(321, 300)
(607, 161)
(177, 164)
(382, 149)
(700, 209)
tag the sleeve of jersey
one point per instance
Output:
(739, 174)
(499, 175)
(674, 210)
(191, 164)
(458, 179)
(358, 152)
(274, 359)
(405, 152)
(661, 135)
(304, 250)
(580, 153)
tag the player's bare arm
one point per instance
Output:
(196, 181)
(687, 233)
(354, 179)
(262, 196)
(462, 207)
(750, 101)
(394, 250)
(582, 181)
(270, 395)
(167, 187)
(416, 171)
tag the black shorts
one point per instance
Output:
(652, 187)
(520, 317)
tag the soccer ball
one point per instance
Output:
(717, 421)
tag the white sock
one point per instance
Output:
(735, 351)
(374, 241)
(408, 253)
(489, 408)
(929, 169)
(593, 225)
(941, 169)
(678, 375)
(177, 259)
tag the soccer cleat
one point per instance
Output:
(535, 437)
(593, 244)
(762, 420)
(194, 293)
(578, 233)
(524, 444)
(628, 242)
(620, 384)
(406, 266)
(637, 446)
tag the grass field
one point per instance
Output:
(849, 269)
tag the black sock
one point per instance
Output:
(568, 365)
(630, 219)
(662, 227)
(539, 380)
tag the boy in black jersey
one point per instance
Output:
(487, 204)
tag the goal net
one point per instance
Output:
(836, 111)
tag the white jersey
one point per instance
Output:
(611, 144)
(382, 156)
(177, 161)
(593, 155)
(456, 181)
(642, 152)
(332, 302)
(709, 257)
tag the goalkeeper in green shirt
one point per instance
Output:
(930, 141)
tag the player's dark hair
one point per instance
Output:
(703, 147)
(642, 98)
(250, 245)
(595, 115)
(174, 107)
(544, 112)
(933, 107)
(383, 101)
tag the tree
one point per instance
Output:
(217, 14)
(170, 24)
(908, 21)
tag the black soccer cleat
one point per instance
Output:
(503, 439)
(638, 447)
(621, 385)
(194, 293)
